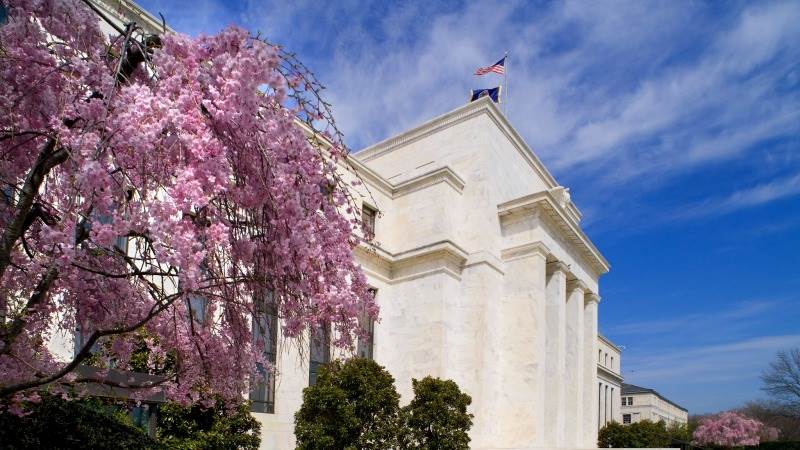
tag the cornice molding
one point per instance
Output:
(525, 251)
(116, 9)
(603, 370)
(441, 175)
(437, 257)
(544, 202)
(487, 258)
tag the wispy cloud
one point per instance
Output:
(711, 366)
(606, 93)
(742, 199)
(716, 320)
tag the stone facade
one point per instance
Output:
(640, 403)
(609, 382)
(483, 276)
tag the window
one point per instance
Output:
(612, 363)
(365, 344)
(626, 418)
(605, 360)
(624, 401)
(265, 332)
(319, 352)
(599, 356)
(630, 401)
(197, 308)
(368, 216)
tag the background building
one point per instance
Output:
(639, 403)
(609, 382)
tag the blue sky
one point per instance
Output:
(675, 124)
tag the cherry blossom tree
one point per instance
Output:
(154, 189)
(729, 429)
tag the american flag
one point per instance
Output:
(499, 68)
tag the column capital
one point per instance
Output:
(591, 297)
(576, 284)
(557, 266)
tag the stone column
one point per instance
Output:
(574, 363)
(591, 301)
(601, 404)
(519, 394)
(555, 369)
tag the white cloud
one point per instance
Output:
(637, 92)
(744, 198)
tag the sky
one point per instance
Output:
(676, 125)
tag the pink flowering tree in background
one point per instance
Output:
(728, 429)
(141, 173)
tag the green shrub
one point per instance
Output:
(62, 424)
(437, 417)
(195, 428)
(353, 405)
(644, 434)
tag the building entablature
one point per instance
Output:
(544, 204)
(610, 375)
(442, 256)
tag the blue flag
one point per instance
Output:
(493, 93)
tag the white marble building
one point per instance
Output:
(483, 275)
(640, 403)
(609, 382)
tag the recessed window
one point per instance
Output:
(612, 362)
(265, 333)
(624, 401)
(197, 308)
(630, 401)
(364, 348)
(368, 217)
(626, 418)
(319, 353)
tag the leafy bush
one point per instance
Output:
(437, 418)
(196, 428)
(57, 423)
(353, 405)
(643, 434)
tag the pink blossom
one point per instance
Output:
(728, 429)
(206, 180)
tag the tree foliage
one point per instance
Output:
(437, 417)
(776, 416)
(782, 380)
(353, 405)
(52, 422)
(197, 428)
(155, 186)
(728, 429)
(642, 434)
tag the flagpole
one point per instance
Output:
(505, 85)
